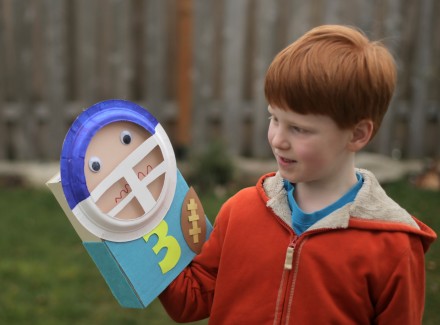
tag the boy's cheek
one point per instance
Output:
(305, 151)
(311, 158)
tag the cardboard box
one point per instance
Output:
(137, 271)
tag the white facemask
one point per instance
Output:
(138, 187)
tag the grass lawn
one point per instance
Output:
(48, 278)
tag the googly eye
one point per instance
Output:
(95, 164)
(125, 137)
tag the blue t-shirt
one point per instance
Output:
(301, 220)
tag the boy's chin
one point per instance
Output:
(287, 176)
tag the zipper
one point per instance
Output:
(289, 254)
(286, 291)
(288, 262)
(284, 285)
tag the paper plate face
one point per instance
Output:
(118, 170)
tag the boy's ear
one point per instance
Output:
(361, 135)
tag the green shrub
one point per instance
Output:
(211, 168)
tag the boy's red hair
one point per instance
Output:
(334, 71)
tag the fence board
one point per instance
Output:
(423, 65)
(156, 19)
(56, 62)
(392, 27)
(203, 76)
(24, 130)
(9, 50)
(3, 131)
(365, 14)
(234, 43)
(85, 47)
(121, 71)
(104, 41)
(267, 15)
(434, 84)
(302, 11)
(332, 11)
(184, 84)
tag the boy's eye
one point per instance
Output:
(299, 130)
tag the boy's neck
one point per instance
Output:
(314, 196)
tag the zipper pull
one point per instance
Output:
(289, 258)
(289, 254)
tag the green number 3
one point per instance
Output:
(173, 253)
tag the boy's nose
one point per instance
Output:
(279, 140)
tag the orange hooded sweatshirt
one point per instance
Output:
(362, 264)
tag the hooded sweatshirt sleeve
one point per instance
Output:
(189, 297)
(402, 299)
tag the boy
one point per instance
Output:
(318, 242)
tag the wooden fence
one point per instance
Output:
(197, 65)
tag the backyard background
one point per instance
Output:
(198, 66)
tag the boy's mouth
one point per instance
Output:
(286, 160)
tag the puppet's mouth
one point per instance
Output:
(126, 189)
(131, 198)
(123, 193)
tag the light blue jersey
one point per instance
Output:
(301, 220)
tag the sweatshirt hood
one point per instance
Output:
(372, 209)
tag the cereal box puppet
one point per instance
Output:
(121, 190)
